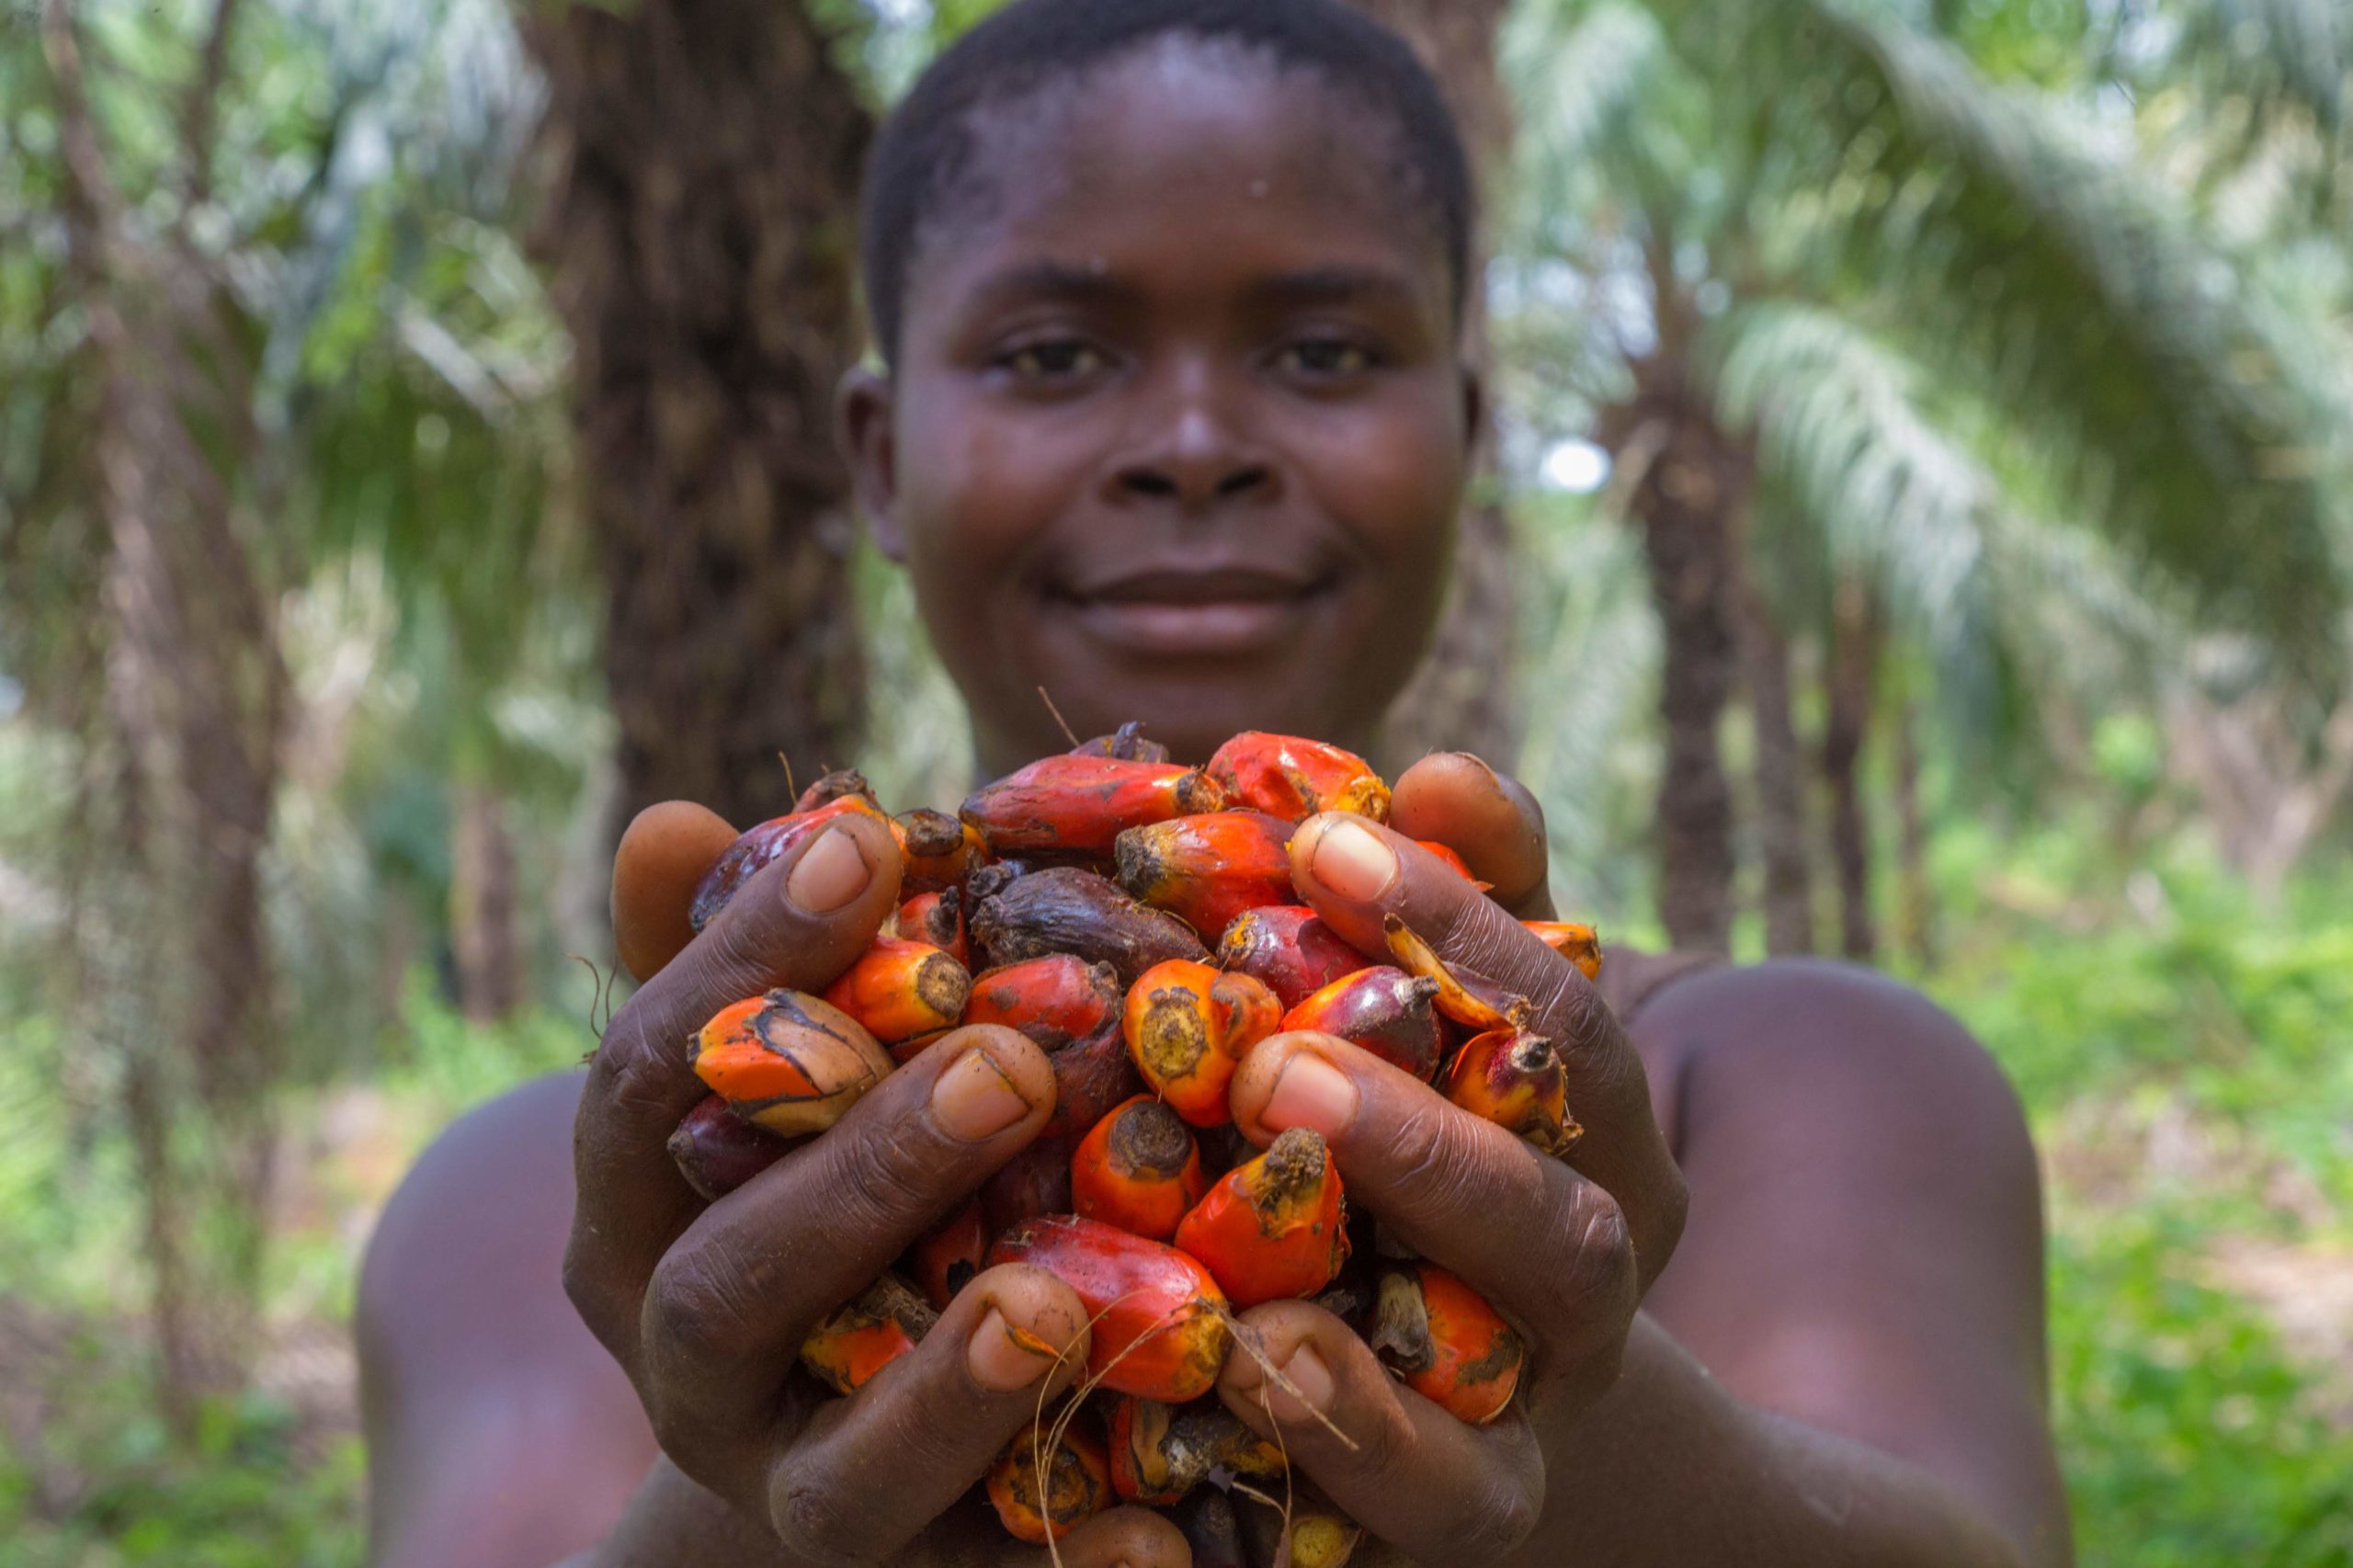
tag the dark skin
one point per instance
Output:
(1174, 459)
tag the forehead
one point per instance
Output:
(1186, 161)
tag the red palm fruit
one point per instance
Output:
(1076, 1487)
(1273, 1227)
(1034, 1182)
(1516, 1080)
(755, 847)
(1252, 1011)
(718, 1151)
(1082, 804)
(1288, 949)
(1293, 779)
(1384, 1010)
(1175, 1024)
(1440, 1337)
(937, 918)
(900, 989)
(1158, 1318)
(1067, 910)
(1160, 1452)
(788, 1060)
(1207, 870)
(856, 1342)
(1464, 996)
(1091, 1076)
(949, 1255)
(1213, 1535)
(1054, 1000)
(830, 787)
(1139, 1169)
(935, 849)
(1447, 854)
(1581, 945)
(1127, 744)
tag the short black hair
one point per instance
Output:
(927, 147)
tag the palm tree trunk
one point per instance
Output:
(1917, 916)
(1780, 778)
(1854, 660)
(484, 917)
(700, 237)
(1466, 696)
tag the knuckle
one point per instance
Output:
(1590, 1284)
(1499, 1516)
(701, 1308)
(591, 1297)
(888, 1177)
(819, 1521)
(1437, 1163)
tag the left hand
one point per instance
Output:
(1563, 1249)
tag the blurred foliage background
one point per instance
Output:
(1916, 528)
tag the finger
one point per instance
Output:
(1355, 873)
(1434, 1487)
(798, 922)
(1549, 1248)
(1137, 1538)
(1491, 821)
(731, 1302)
(668, 848)
(931, 1421)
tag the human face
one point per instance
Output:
(1177, 428)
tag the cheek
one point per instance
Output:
(1397, 477)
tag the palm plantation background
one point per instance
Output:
(1914, 526)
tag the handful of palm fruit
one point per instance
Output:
(1137, 920)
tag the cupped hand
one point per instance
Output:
(706, 1307)
(1563, 1249)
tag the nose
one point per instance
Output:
(1191, 451)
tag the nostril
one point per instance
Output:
(1247, 479)
(1149, 483)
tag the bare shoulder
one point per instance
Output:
(498, 1427)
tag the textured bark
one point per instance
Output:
(1466, 695)
(483, 913)
(1854, 666)
(701, 239)
(1781, 833)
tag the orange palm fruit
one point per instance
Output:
(1054, 1000)
(854, 1343)
(1384, 1010)
(935, 849)
(946, 1257)
(1293, 777)
(1288, 947)
(834, 785)
(789, 1061)
(1081, 804)
(937, 918)
(718, 1151)
(1464, 996)
(755, 847)
(1067, 910)
(1207, 870)
(1177, 1023)
(1139, 1169)
(1581, 945)
(1158, 1318)
(1273, 1227)
(1461, 867)
(1442, 1339)
(900, 989)
(1160, 1452)
(1516, 1080)
(1076, 1484)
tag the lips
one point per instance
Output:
(1207, 612)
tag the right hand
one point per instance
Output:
(705, 1307)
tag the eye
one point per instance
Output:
(1325, 357)
(1053, 359)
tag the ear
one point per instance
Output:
(863, 406)
(1475, 405)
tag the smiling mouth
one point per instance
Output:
(1214, 614)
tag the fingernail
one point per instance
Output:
(1310, 1092)
(830, 872)
(974, 1099)
(1002, 1359)
(1353, 862)
(1310, 1390)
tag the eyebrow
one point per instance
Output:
(1335, 286)
(1050, 280)
(1064, 280)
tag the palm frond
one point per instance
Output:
(2283, 58)
(1578, 73)
(2006, 256)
